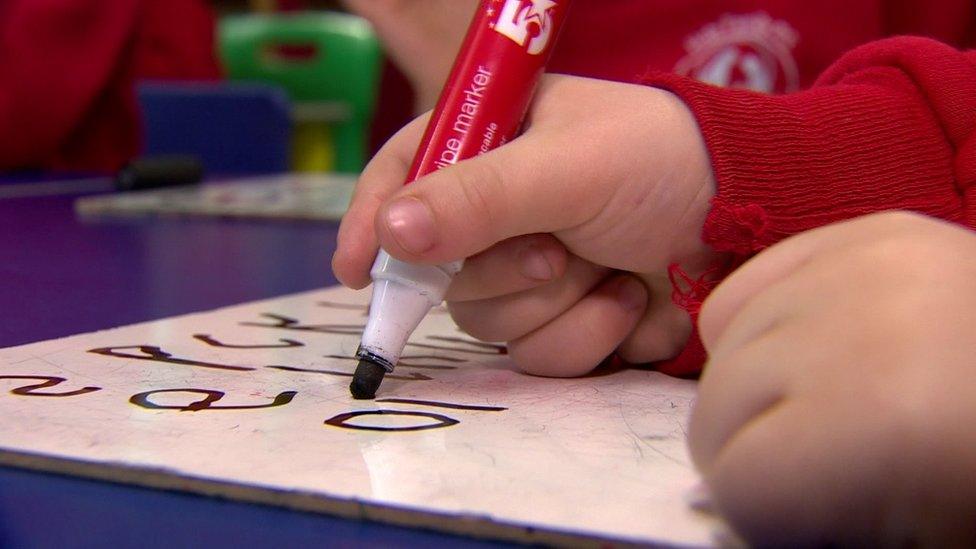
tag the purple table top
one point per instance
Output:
(61, 276)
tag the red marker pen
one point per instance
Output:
(480, 108)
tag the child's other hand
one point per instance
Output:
(571, 226)
(839, 402)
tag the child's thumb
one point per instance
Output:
(466, 208)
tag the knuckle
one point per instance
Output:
(910, 254)
(548, 362)
(483, 192)
(475, 319)
(633, 353)
(902, 226)
(529, 359)
(474, 282)
(642, 350)
(372, 196)
(899, 219)
(653, 340)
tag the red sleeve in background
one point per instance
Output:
(176, 41)
(949, 21)
(67, 74)
(889, 126)
(291, 5)
(394, 106)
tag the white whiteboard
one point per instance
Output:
(176, 404)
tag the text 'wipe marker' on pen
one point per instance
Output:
(481, 108)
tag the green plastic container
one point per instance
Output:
(329, 63)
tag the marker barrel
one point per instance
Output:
(491, 84)
(481, 108)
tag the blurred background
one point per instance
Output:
(244, 87)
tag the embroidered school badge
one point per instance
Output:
(751, 51)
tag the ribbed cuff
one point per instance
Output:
(785, 164)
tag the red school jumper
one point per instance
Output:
(809, 114)
(67, 70)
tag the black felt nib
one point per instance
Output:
(366, 380)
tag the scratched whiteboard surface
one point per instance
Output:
(251, 402)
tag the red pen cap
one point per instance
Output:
(495, 74)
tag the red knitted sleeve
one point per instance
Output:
(889, 126)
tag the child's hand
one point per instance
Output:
(839, 402)
(616, 174)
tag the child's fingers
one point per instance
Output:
(509, 267)
(745, 428)
(751, 281)
(662, 332)
(786, 258)
(356, 243)
(805, 474)
(578, 340)
(511, 316)
(761, 467)
(535, 184)
(739, 387)
(763, 349)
